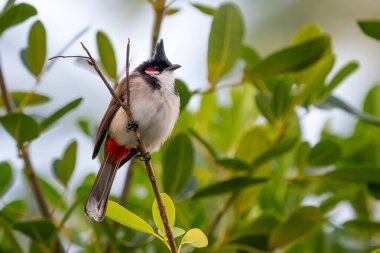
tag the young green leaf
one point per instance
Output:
(301, 222)
(171, 11)
(6, 177)
(225, 40)
(16, 15)
(35, 55)
(308, 32)
(52, 118)
(177, 232)
(290, 59)
(372, 102)
(324, 153)
(229, 185)
(22, 127)
(205, 9)
(64, 167)
(34, 98)
(125, 217)
(195, 237)
(370, 28)
(178, 161)
(170, 212)
(41, 230)
(184, 93)
(334, 102)
(107, 54)
(338, 78)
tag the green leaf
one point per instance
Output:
(301, 223)
(314, 84)
(263, 102)
(51, 193)
(22, 127)
(225, 40)
(334, 102)
(250, 56)
(361, 225)
(374, 189)
(282, 100)
(205, 9)
(170, 212)
(33, 98)
(234, 164)
(357, 174)
(229, 185)
(171, 11)
(52, 118)
(41, 230)
(370, 28)
(125, 217)
(107, 54)
(204, 143)
(372, 102)
(308, 32)
(302, 155)
(6, 178)
(376, 251)
(16, 15)
(184, 93)
(178, 162)
(35, 55)
(339, 77)
(278, 149)
(177, 232)
(195, 237)
(64, 167)
(14, 210)
(324, 153)
(291, 59)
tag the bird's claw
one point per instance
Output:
(147, 157)
(133, 126)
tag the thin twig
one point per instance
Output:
(68, 56)
(140, 144)
(29, 170)
(159, 12)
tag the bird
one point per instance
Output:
(154, 104)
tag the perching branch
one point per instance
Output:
(140, 144)
(28, 167)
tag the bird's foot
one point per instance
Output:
(147, 157)
(133, 126)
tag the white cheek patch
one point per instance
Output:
(152, 73)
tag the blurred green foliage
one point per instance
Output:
(239, 171)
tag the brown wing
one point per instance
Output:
(113, 107)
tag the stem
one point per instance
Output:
(159, 11)
(29, 170)
(11, 237)
(140, 144)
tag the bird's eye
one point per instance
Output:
(151, 69)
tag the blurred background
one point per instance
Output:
(269, 26)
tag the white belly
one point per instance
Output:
(155, 112)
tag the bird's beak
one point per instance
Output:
(173, 67)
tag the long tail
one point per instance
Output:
(96, 202)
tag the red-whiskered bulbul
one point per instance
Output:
(155, 108)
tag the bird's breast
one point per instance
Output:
(155, 112)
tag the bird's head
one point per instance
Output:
(159, 66)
